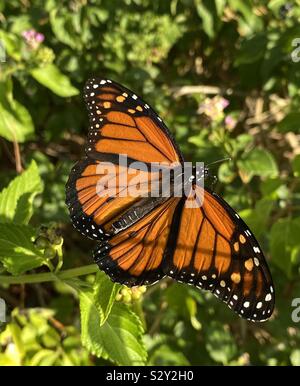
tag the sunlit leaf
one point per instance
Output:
(206, 11)
(284, 244)
(16, 200)
(257, 162)
(51, 77)
(257, 219)
(220, 343)
(119, 337)
(291, 122)
(17, 250)
(105, 295)
(15, 121)
(295, 357)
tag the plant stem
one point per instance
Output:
(19, 167)
(50, 276)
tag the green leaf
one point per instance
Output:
(183, 300)
(105, 292)
(44, 358)
(295, 357)
(12, 44)
(291, 122)
(273, 188)
(16, 200)
(275, 5)
(206, 11)
(15, 121)
(257, 162)
(51, 77)
(17, 251)
(284, 244)
(220, 343)
(165, 355)
(220, 5)
(257, 218)
(248, 21)
(191, 305)
(65, 27)
(226, 172)
(273, 55)
(119, 338)
(251, 49)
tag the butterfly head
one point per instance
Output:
(199, 174)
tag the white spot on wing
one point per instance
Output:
(268, 297)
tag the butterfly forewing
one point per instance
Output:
(122, 123)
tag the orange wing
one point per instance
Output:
(137, 256)
(120, 124)
(214, 250)
(98, 193)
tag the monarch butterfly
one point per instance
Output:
(141, 238)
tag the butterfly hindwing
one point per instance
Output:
(136, 255)
(214, 250)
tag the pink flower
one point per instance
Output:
(230, 122)
(28, 35)
(39, 37)
(224, 103)
(33, 38)
(213, 107)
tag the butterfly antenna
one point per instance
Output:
(218, 161)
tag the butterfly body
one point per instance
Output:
(184, 231)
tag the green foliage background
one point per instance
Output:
(179, 55)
